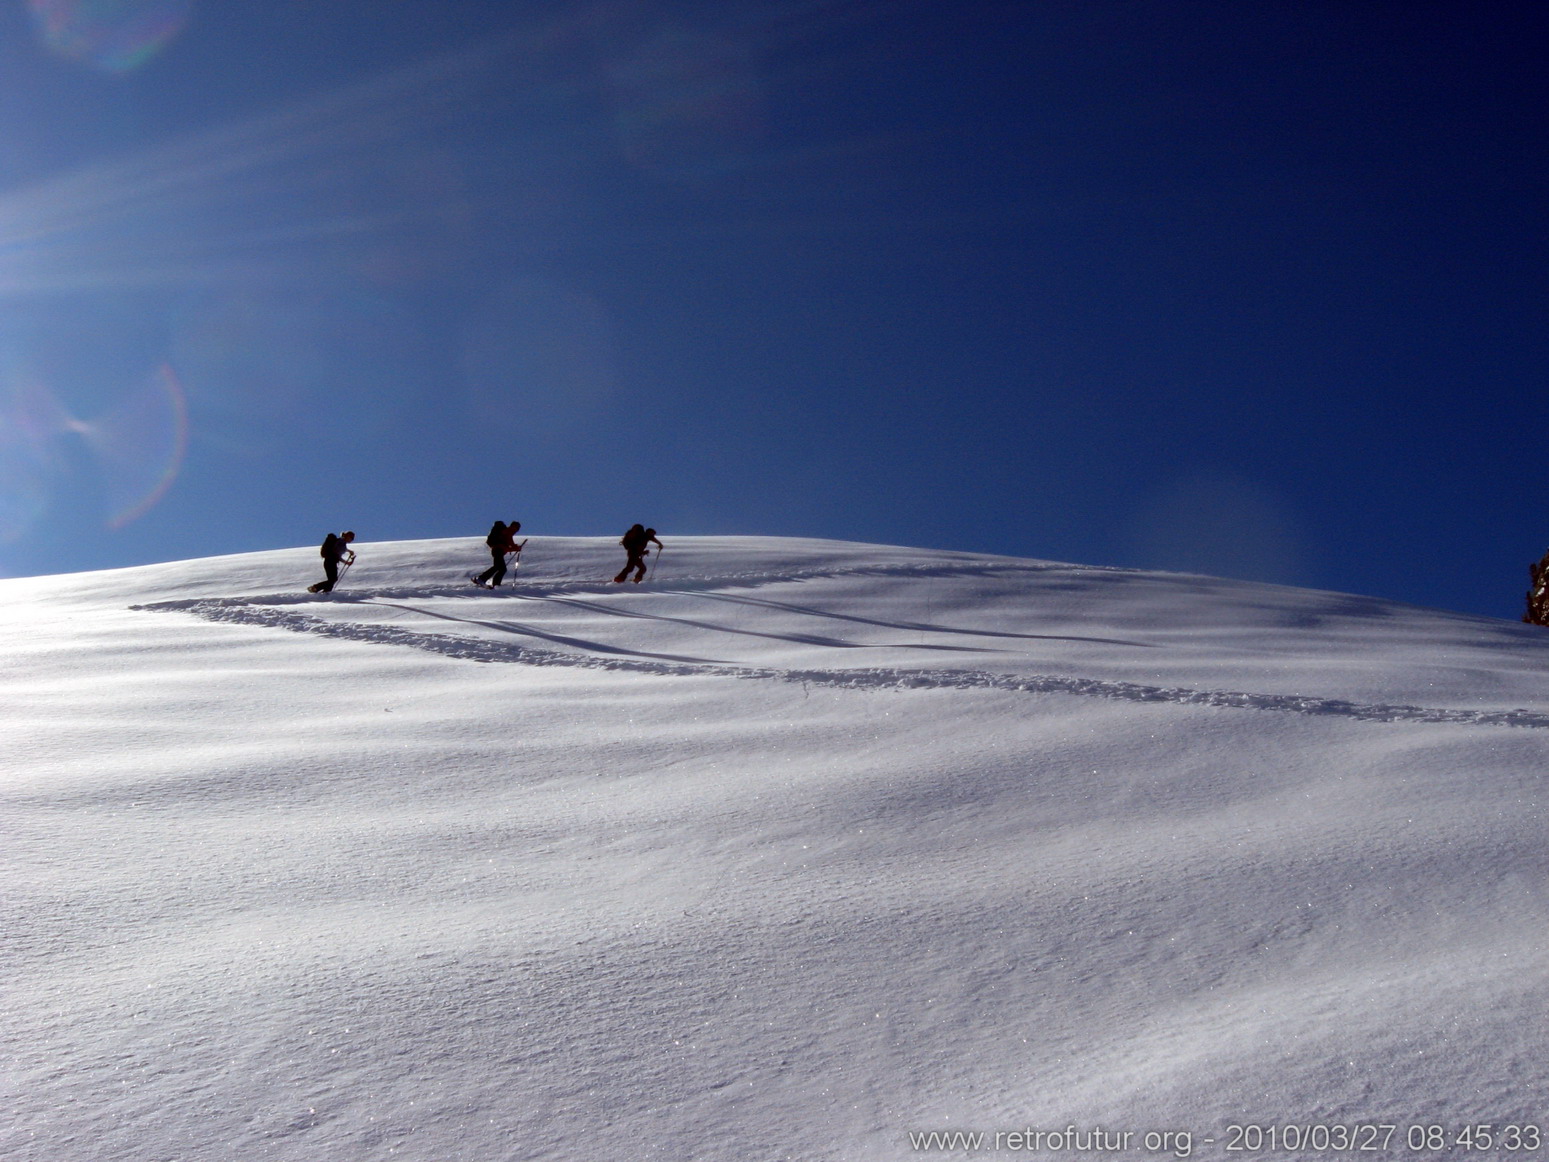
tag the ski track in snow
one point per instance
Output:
(268, 611)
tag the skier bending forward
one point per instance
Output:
(336, 549)
(501, 540)
(635, 542)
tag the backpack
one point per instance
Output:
(330, 548)
(497, 535)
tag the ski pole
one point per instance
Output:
(660, 549)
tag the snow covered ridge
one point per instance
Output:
(800, 849)
(561, 594)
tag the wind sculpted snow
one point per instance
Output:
(797, 849)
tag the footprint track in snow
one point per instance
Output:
(277, 612)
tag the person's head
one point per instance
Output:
(515, 526)
(650, 532)
(347, 537)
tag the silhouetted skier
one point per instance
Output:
(336, 549)
(635, 542)
(501, 540)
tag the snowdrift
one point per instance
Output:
(801, 849)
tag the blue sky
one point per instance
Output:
(1252, 289)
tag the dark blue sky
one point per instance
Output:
(1252, 289)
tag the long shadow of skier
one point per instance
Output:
(558, 639)
(797, 638)
(917, 626)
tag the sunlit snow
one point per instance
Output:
(795, 850)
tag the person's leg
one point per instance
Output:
(498, 561)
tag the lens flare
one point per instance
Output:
(688, 103)
(269, 369)
(30, 419)
(139, 446)
(114, 35)
(537, 359)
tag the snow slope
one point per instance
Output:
(797, 849)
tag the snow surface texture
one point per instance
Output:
(793, 850)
